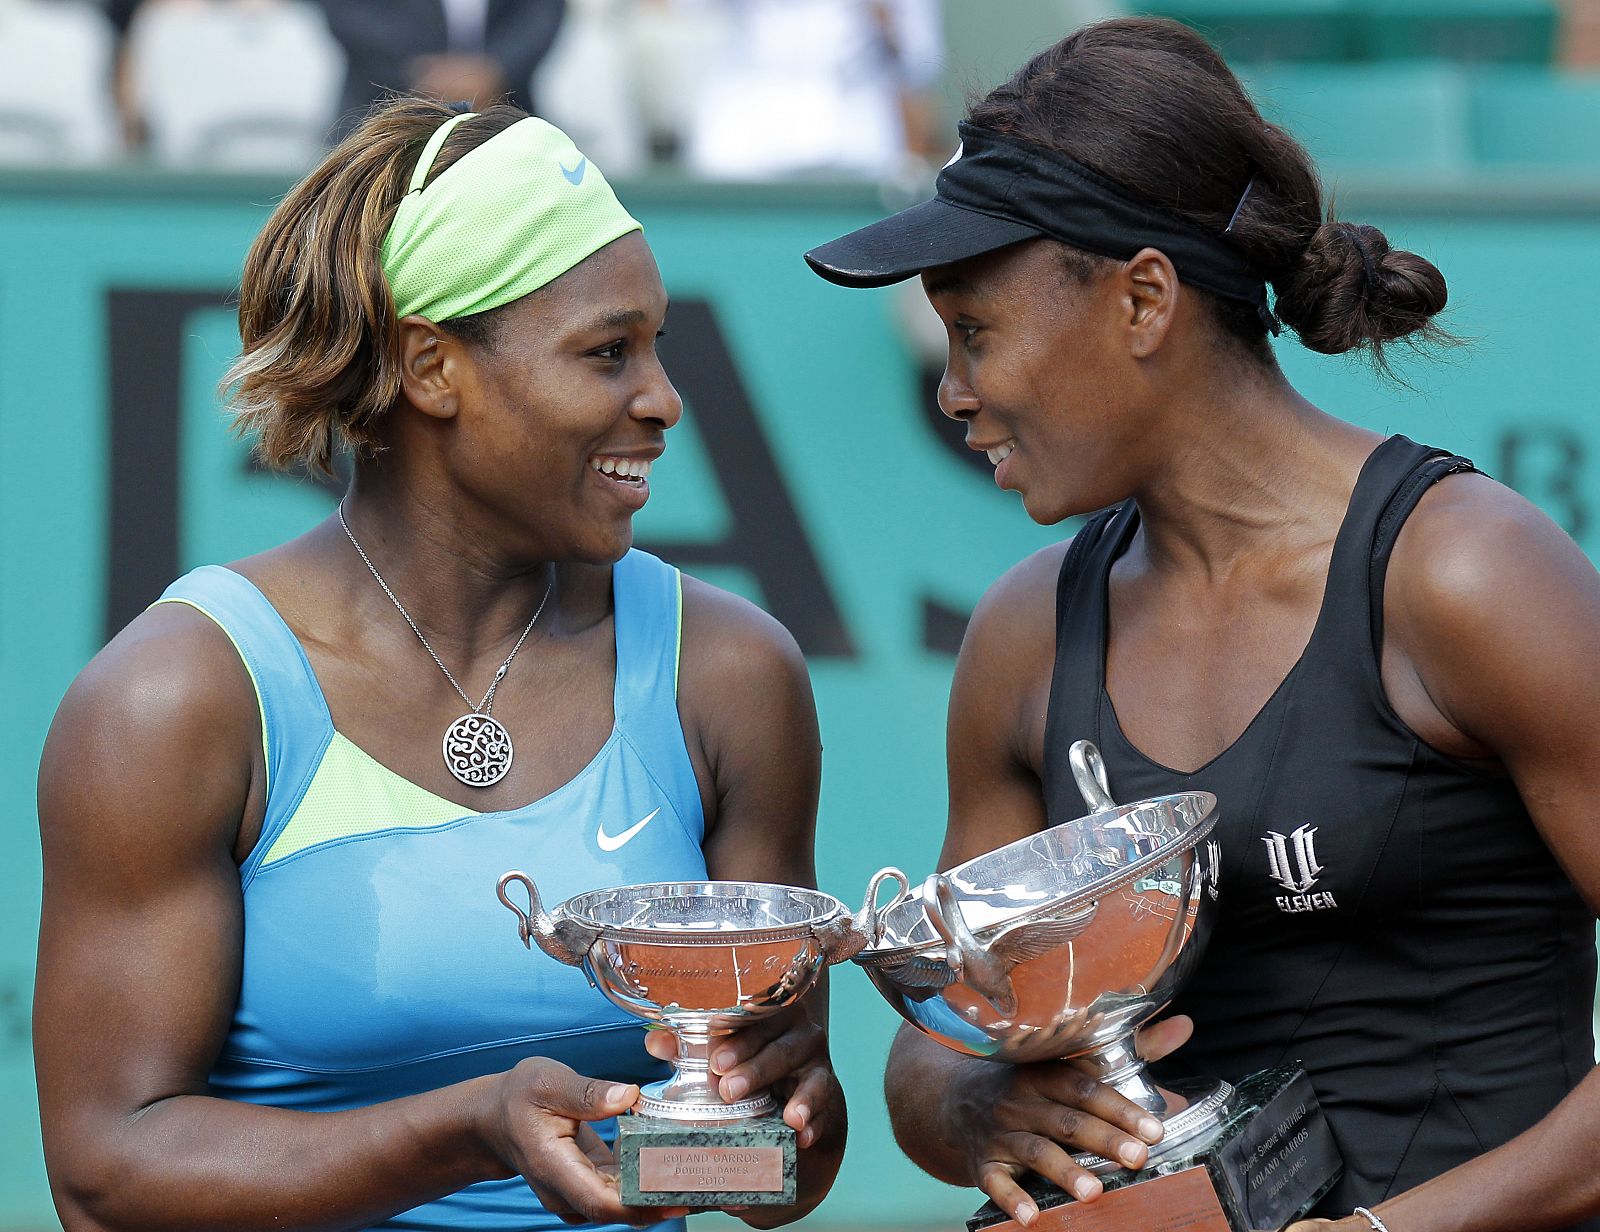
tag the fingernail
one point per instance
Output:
(1150, 1129)
(736, 1087)
(724, 1061)
(618, 1092)
(807, 1137)
(1027, 1212)
(1086, 1187)
(801, 1114)
(1131, 1153)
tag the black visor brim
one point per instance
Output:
(901, 246)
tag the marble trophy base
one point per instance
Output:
(675, 1163)
(1270, 1162)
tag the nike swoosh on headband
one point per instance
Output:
(611, 843)
(501, 221)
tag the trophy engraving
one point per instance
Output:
(1061, 946)
(703, 958)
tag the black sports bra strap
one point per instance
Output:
(1394, 516)
(1342, 628)
(1076, 677)
(1072, 563)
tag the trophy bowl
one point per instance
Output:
(701, 957)
(1061, 945)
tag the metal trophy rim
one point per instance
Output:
(703, 1114)
(831, 908)
(1200, 1117)
(575, 933)
(1192, 838)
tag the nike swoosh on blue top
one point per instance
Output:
(575, 175)
(612, 842)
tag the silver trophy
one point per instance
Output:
(1061, 946)
(703, 958)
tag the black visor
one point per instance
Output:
(998, 191)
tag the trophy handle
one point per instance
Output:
(564, 939)
(1089, 772)
(846, 936)
(987, 974)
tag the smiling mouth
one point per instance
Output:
(635, 472)
(1000, 453)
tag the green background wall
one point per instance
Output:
(904, 535)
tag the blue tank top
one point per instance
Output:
(378, 962)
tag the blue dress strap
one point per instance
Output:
(647, 595)
(296, 727)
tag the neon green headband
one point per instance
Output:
(501, 221)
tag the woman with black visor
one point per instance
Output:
(1380, 660)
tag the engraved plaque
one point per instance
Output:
(1181, 1202)
(1280, 1159)
(711, 1169)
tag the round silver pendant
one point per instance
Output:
(477, 748)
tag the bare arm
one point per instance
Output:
(747, 706)
(1497, 612)
(976, 1122)
(152, 763)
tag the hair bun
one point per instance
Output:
(1349, 289)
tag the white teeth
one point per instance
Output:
(625, 468)
(1001, 453)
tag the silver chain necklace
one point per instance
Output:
(477, 747)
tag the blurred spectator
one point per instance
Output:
(589, 84)
(472, 50)
(120, 12)
(840, 87)
(763, 89)
(1580, 34)
(671, 45)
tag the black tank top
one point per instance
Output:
(1388, 917)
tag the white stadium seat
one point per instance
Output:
(55, 87)
(237, 86)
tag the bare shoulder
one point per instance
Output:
(1016, 618)
(728, 641)
(994, 741)
(1494, 611)
(171, 669)
(1475, 554)
(1001, 689)
(162, 722)
(750, 723)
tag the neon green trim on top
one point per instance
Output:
(500, 222)
(351, 794)
(677, 651)
(261, 708)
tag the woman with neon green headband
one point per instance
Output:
(275, 989)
